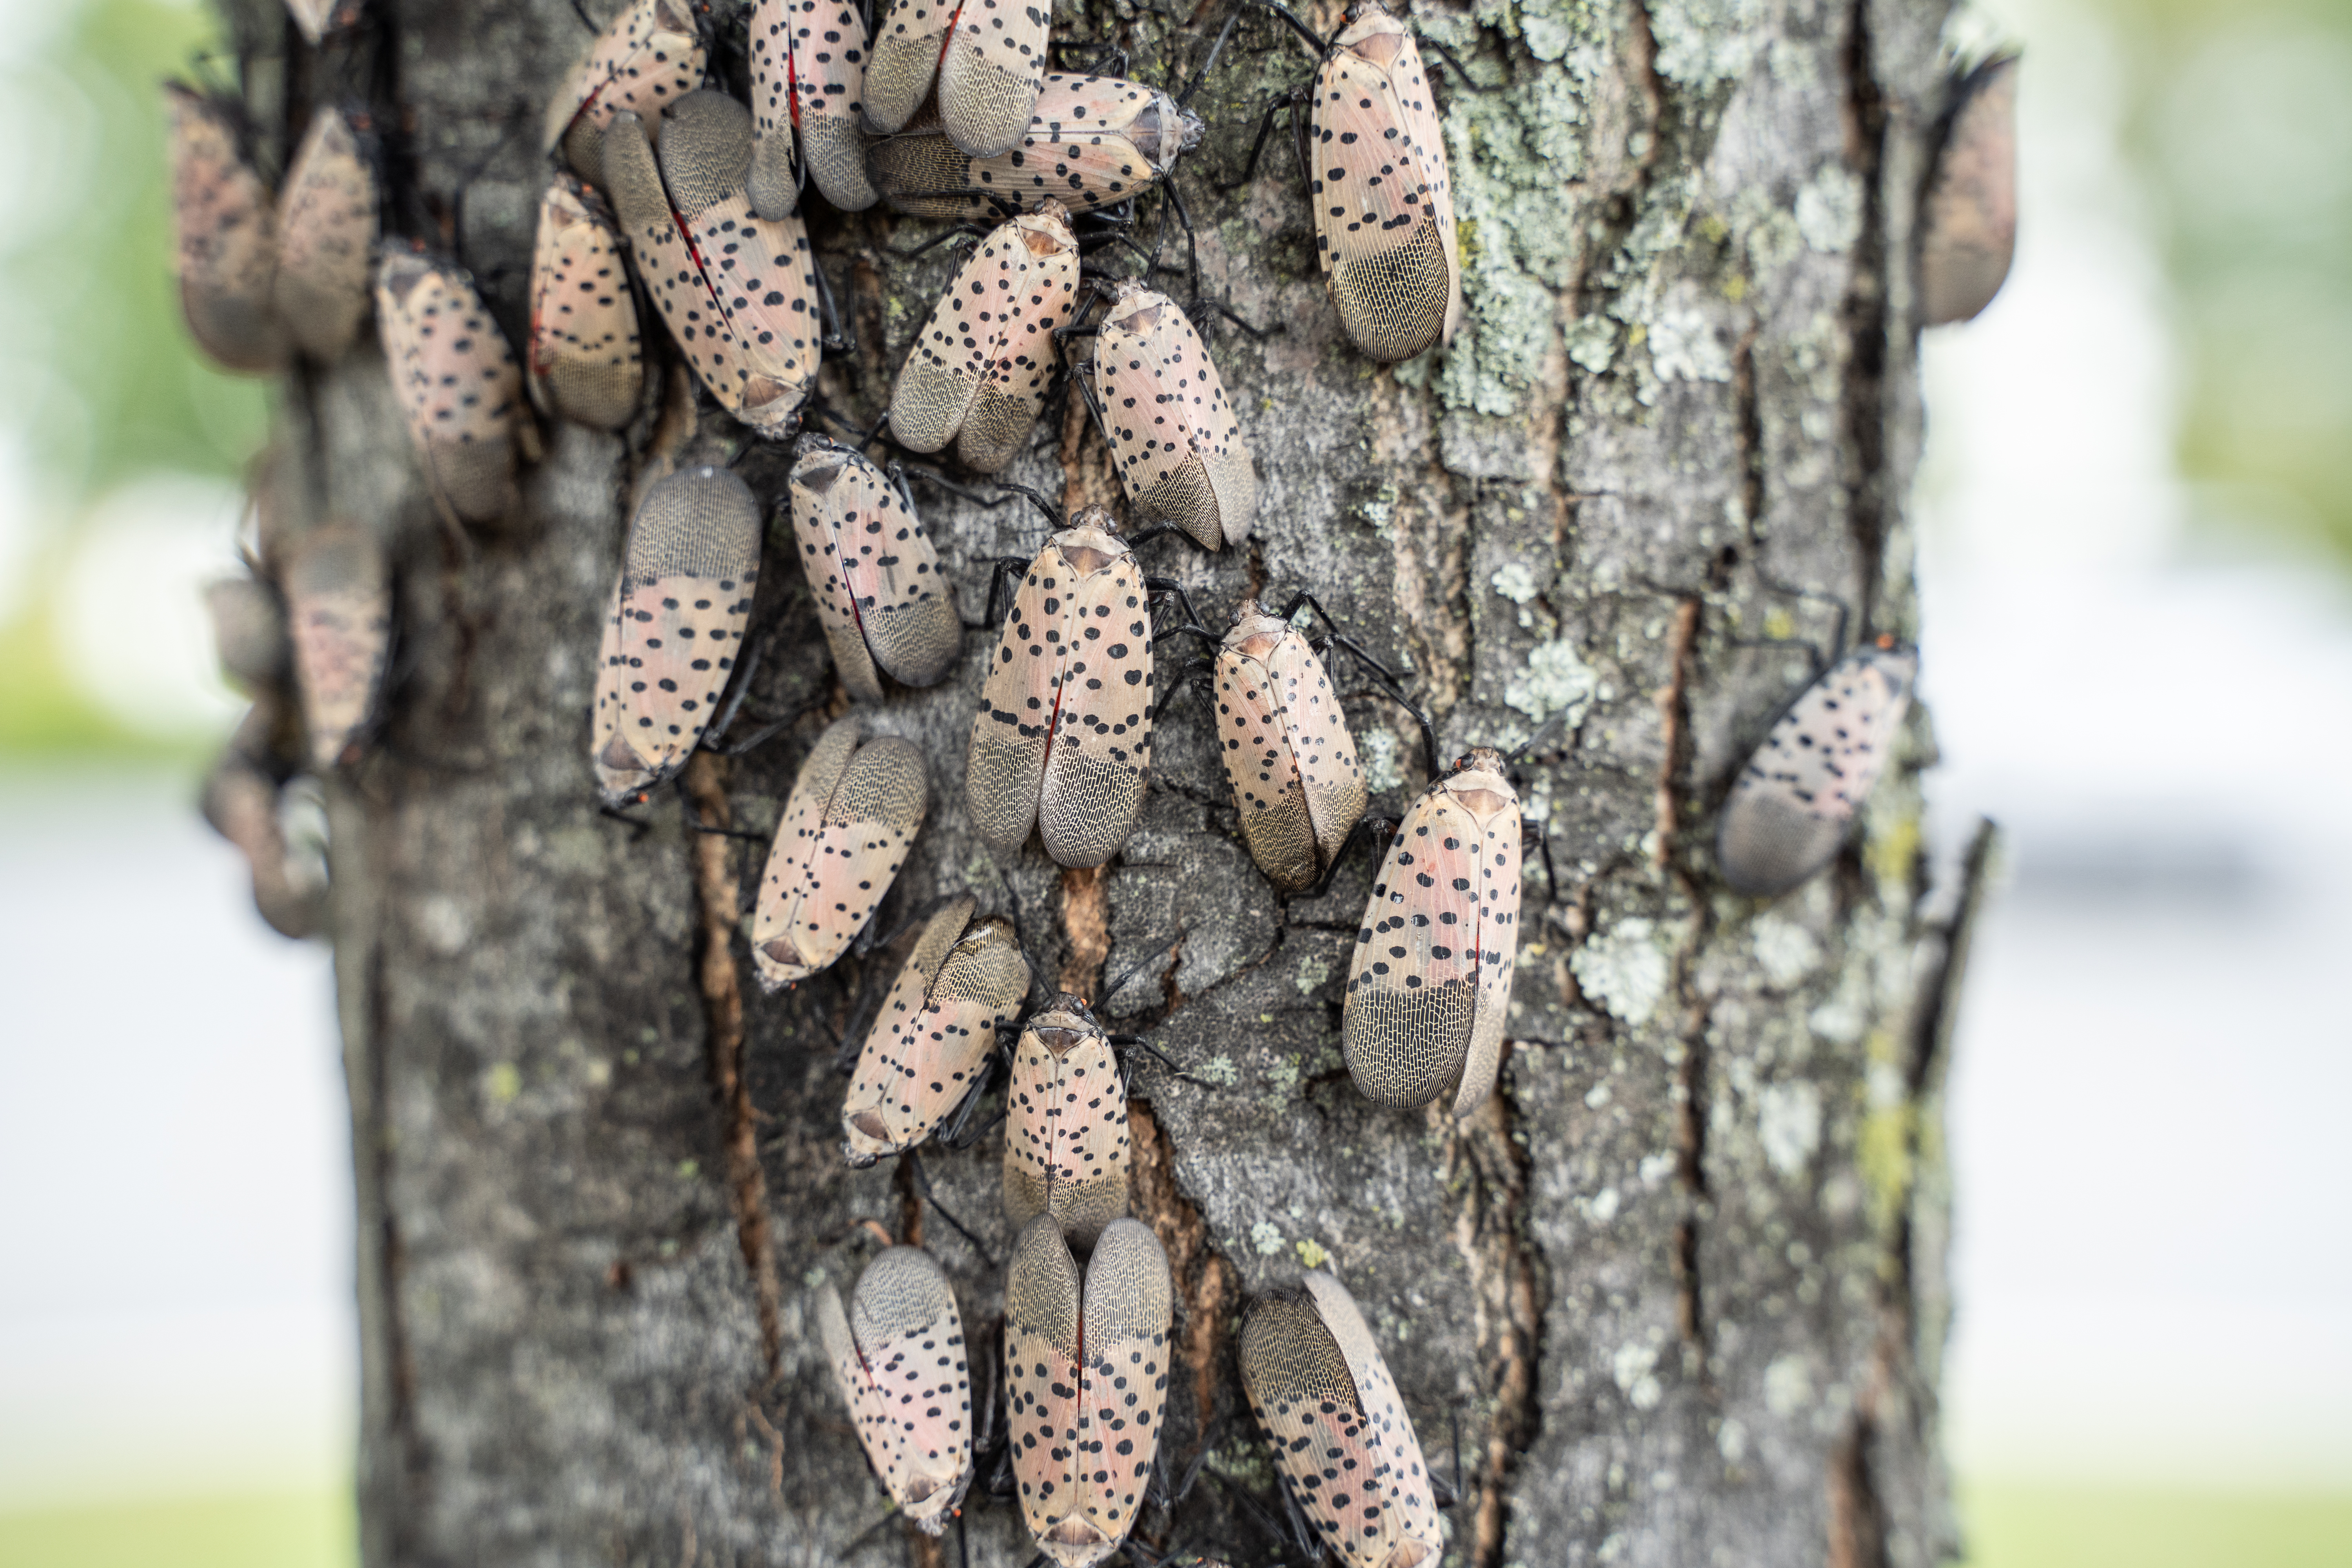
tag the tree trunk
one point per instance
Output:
(1677, 1290)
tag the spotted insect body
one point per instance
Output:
(904, 63)
(1092, 141)
(808, 85)
(457, 383)
(1796, 798)
(1342, 1440)
(676, 630)
(586, 362)
(1430, 985)
(992, 73)
(847, 824)
(897, 1355)
(1085, 1372)
(227, 237)
(326, 233)
(935, 1033)
(979, 369)
(649, 55)
(1969, 228)
(881, 597)
(1064, 736)
(338, 608)
(1172, 434)
(738, 292)
(241, 802)
(1066, 1141)
(1288, 753)
(249, 632)
(1384, 204)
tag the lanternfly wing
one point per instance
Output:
(1798, 795)
(1288, 753)
(326, 228)
(1970, 232)
(1006, 762)
(776, 177)
(1413, 984)
(990, 77)
(808, 87)
(1388, 1429)
(676, 626)
(586, 363)
(339, 604)
(648, 57)
(1129, 1307)
(960, 342)
(1320, 742)
(1384, 209)
(934, 1033)
(1042, 1376)
(1100, 744)
(457, 383)
(227, 252)
(1178, 446)
(1020, 357)
(907, 52)
(823, 882)
(1305, 1395)
(1482, 792)
(905, 1377)
(880, 595)
(1094, 142)
(1066, 1141)
(759, 273)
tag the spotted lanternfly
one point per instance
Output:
(1093, 142)
(904, 62)
(1172, 433)
(326, 233)
(248, 633)
(936, 1031)
(738, 292)
(586, 363)
(317, 18)
(1064, 736)
(852, 813)
(880, 596)
(808, 86)
(978, 373)
(1430, 981)
(1341, 1438)
(1969, 230)
(1288, 749)
(457, 383)
(1066, 1143)
(240, 801)
(228, 255)
(338, 606)
(648, 58)
(898, 1355)
(1798, 795)
(676, 630)
(1384, 228)
(1085, 1382)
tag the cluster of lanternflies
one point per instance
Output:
(947, 112)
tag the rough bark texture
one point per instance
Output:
(1679, 1285)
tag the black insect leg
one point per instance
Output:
(1317, 44)
(1169, 588)
(1367, 829)
(1001, 568)
(839, 337)
(1198, 680)
(923, 1185)
(1289, 99)
(958, 231)
(959, 1134)
(1443, 53)
(1224, 35)
(638, 825)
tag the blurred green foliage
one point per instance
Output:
(109, 385)
(293, 1530)
(2018, 1525)
(2240, 119)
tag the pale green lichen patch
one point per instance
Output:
(502, 1083)
(1379, 755)
(1311, 1253)
(1514, 582)
(1829, 210)
(1789, 1125)
(1625, 969)
(1219, 1070)
(1313, 971)
(1266, 1238)
(1592, 344)
(1685, 346)
(1703, 43)
(1786, 949)
(1555, 679)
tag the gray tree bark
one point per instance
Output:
(1679, 1286)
